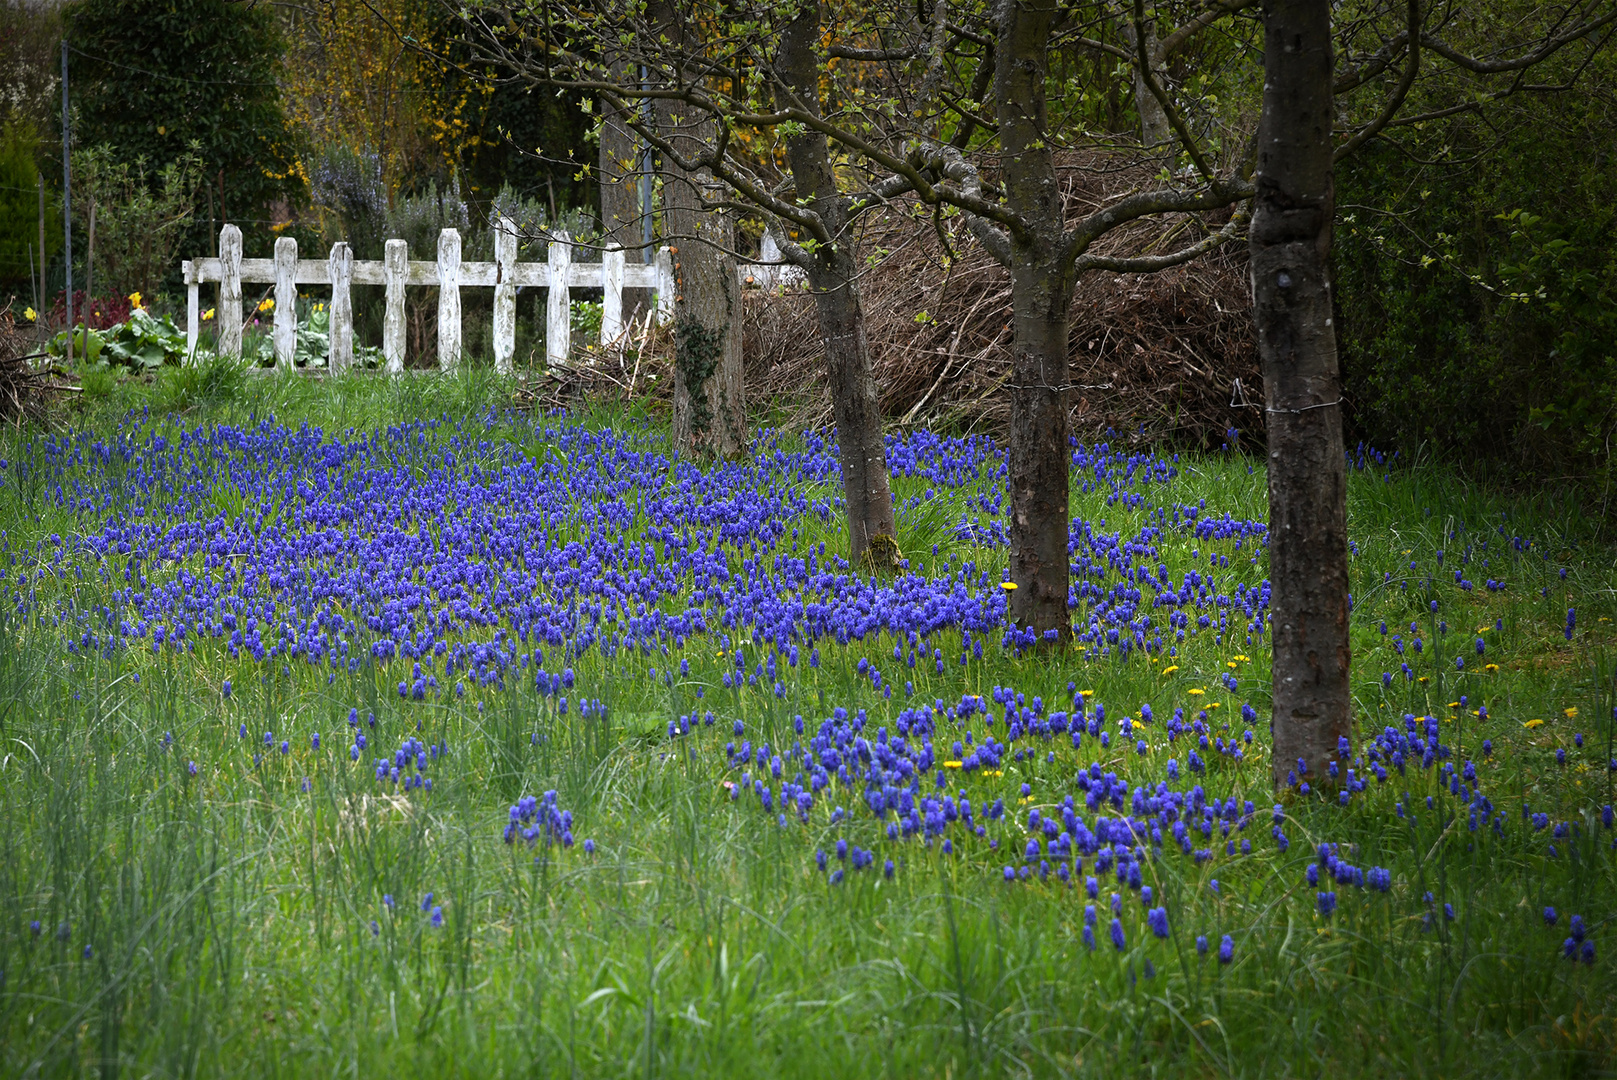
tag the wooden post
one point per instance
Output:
(228, 317)
(193, 310)
(611, 293)
(558, 306)
(286, 301)
(665, 284)
(340, 316)
(505, 294)
(448, 299)
(395, 267)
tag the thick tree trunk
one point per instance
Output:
(833, 278)
(709, 399)
(620, 189)
(1041, 296)
(1290, 247)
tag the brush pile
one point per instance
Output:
(27, 379)
(1152, 355)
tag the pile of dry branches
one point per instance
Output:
(1160, 350)
(24, 388)
(1152, 356)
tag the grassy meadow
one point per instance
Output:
(290, 666)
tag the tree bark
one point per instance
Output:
(1041, 297)
(1155, 132)
(709, 399)
(620, 188)
(1290, 249)
(832, 270)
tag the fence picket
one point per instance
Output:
(448, 299)
(286, 301)
(395, 267)
(558, 304)
(340, 315)
(505, 294)
(228, 316)
(611, 293)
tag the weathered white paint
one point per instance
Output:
(505, 294)
(340, 324)
(611, 293)
(396, 272)
(448, 299)
(193, 310)
(558, 306)
(664, 269)
(395, 264)
(229, 310)
(286, 301)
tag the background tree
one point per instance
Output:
(159, 79)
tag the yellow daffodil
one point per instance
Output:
(30, 314)
(206, 315)
(267, 304)
(134, 300)
(1533, 723)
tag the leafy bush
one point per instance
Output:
(1476, 269)
(141, 217)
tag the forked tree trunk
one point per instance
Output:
(1290, 247)
(709, 399)
(1041, 298)
(833, 278)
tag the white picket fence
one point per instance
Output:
(339, 271)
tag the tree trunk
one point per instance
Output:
(1290, 248)
(1041, 296)
(833, 278)
(1155, 132)
(709, 399)
(620, 189)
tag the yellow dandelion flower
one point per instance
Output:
(1231, 664)
(1215, 704)
(1570, 714)
(1007, 585)
(1243, 659)
(951, 764)
(1423, 678)
(1196, 691)
(995, 772)
(1454, 704)
(1087, 693)
(1533, 723)
(1170, 669)
(1490, 667)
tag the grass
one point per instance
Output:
(233, 922)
